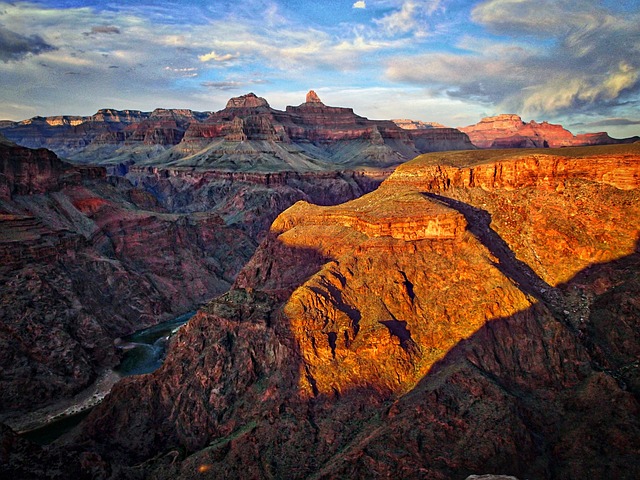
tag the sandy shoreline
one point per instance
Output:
(88, 398)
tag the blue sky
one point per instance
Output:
(575, 62)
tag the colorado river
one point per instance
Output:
(144, 352)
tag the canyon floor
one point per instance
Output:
(476, 313)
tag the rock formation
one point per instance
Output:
(408, 124)
(247, 135)
(313, 98)
(509, 131)
(87, 258)
(476, 313)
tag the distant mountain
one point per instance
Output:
(509, 131)
(247, 135)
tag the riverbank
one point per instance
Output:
(81, 402)
(142, 352)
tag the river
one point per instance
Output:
(143, 352)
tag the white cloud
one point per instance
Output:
(581, 59)
(565, 92)
(216, 57)
(360, 4)
(411, 17)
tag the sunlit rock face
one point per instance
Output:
(455, 321)
(87, 258)
(509, 131)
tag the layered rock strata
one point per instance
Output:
(509, 131)
(505, 340)
(247, 135)
(104, 257)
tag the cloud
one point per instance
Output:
(360, 4)
(232, 85)
(411, 17)
(103, 29)
(570, 91)
(550, 58)
(187, 72)
(216, 57)
(15, 47)
(609, 122)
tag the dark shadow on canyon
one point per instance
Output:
(479, 223)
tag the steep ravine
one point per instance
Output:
(433, 328)
(417, 348)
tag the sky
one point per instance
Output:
(574, 62)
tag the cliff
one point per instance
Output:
(88, 257)
(509, 131)
(247, 135)
(85, 259)
(475, 313)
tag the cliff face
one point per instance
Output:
(250, 200)
(84, 260)
(475, 313)
(509, 131)
(247, 135)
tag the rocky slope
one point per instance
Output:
(247, 135)
(477, 313)
(87, 258)
(509, 131)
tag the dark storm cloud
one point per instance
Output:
(15, 47)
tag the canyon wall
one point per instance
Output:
(247, 135)
(88, 257)
(85, 260)
(476, 313)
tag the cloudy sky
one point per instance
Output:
(575, 62)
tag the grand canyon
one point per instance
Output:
(373, 299)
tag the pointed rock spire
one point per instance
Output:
(313, 100)
(312, 97)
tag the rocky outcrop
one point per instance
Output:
(246, 135)
(104, 257)
(344, 349)
(251, 100)
(409, 124)
(509, 131)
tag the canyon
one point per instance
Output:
(361, 312)
(88, 257)
(476, 313)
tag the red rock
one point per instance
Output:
(350, 348)
(247, 101)
(80, 265)
(311, 136)
(312, 97)
(509, 131)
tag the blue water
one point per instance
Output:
(146, 351)
(147, 348)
